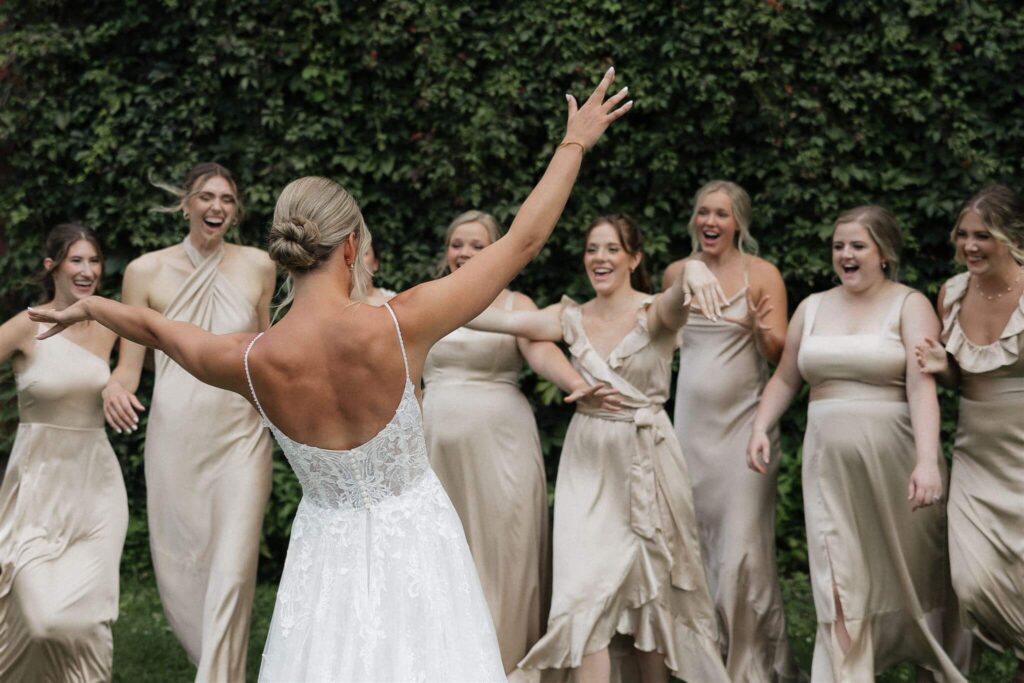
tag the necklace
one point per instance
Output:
(998, 295)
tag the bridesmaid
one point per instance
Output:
(63, 507)
(735, 510)
(983, 329)
(872, 468)
(626, 554)
(375, 295)
(484, 446)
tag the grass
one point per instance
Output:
(146, 650)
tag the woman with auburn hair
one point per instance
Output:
(483, 443)
(626, 554)
(735, 508)
(872, 468)
(379, 583)
(63, 507)
(982, 313)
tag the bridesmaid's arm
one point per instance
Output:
(767, 315)
(918, 321)
(546, 359)
(120, 405)
(16, 336)
(542, 325)
(931, 354)
(672, 306)
(778, 394)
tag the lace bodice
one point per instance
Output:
(383, 468)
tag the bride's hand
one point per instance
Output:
(700, 284)
(586, 124)
(61, 320)
(931, 357)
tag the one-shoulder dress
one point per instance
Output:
(63, 519)
(378, 583)
(721, 378)
(887, 563)
(626, 554)
(986, 491)
(483, 444)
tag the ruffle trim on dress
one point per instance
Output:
(690, 654)
(978, 358)
(636, 339)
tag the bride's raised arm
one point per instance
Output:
(433, 309)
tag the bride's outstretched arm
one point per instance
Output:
(215, 359)
(542, 325)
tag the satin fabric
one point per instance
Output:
(207, 460)
(626, 554)
(484, 446)
(63, 519)
(986, 496)
(721, 377)
(887, 563)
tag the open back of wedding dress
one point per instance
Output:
(378, 584)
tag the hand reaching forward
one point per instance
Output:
(757, 315)
(61, 320)
(699, 283)
(596, 397)
(121, 408)
(925, 487)
(759, 451)
(931, 357)
(586, 124)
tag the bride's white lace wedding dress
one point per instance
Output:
(378, 583)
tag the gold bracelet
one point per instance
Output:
(583, 150)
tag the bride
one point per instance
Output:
(378, 583)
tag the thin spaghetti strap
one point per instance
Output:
(248, 378)
(401, 342)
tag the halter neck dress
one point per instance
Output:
(484, 446)
(378, 583)
(63, 519)
(986, 492)
(721, 378)
(887, 563)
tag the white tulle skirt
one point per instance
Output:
(384, 593)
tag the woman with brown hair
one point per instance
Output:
(872, 468)
(982, 313)
(626, 555)
(379, 583)
(63, 507)
(723, 367)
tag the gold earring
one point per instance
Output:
(352, 266)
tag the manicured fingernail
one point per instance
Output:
(629, 104)
(624, 90)
(568, 97)
(117, 430)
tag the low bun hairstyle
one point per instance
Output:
(58, 242)
(313, 216)
(632, 241)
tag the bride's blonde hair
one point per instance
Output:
(313, 216)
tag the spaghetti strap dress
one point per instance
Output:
(378, 582)
(986, 491)
(887, 563)
(63, 519)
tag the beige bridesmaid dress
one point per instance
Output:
(986, 493)
(887, 563)
(207, 461)
(626, 554)
(63, 519)
(483, 444)
(721, 377)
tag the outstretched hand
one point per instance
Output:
(586, 124)
(756, 319)
(596, 396)
(61, 320)
(700, 283)
(931, 357)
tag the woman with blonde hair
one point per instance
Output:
(872, 468)
(379, 583)
(982, 313)
(723, 367)
(483, 443)
(63, 507)
(627, 561)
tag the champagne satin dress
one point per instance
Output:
(986, 494)
(484, 446)
(63, 519)
(721, 377)
(887, 563)
(626, 555)
(207, 461)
